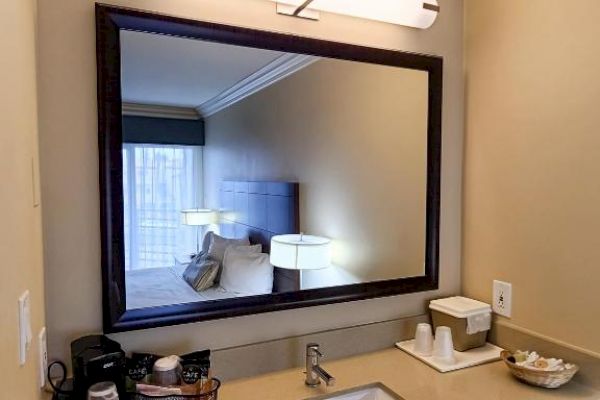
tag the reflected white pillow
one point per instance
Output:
(246, 272)
(217, 247)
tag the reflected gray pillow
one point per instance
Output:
(201, 272)
(206, 241)
(218, 245)
(207, 279)
(198, 258)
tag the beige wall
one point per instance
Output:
(531, 197)
(354, 135)
(20, 231)
(69, 164)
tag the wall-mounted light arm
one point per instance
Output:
(432, 7)
(302, 7)
(413, 13)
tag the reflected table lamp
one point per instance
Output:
(198, 217)
(300, 252)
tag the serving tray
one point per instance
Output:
(464, 359)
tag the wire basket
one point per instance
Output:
(210, 395)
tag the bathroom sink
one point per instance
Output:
(374, 391)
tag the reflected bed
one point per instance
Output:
(257, 210)
(155, 287)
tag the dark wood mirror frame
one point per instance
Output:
(110, 21)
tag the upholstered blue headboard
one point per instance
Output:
(261, 210)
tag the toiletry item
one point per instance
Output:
(443, 348)
(424, 340)
(533, 360)
(166, 371)
(470, 320)
(103, 391)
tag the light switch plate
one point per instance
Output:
(43, 356)
(25, 335)
(502, 299)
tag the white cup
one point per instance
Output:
(423, 340)
(443, 347)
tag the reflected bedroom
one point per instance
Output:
(249, 172)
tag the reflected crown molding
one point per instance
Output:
(159, 111)
(271, 73)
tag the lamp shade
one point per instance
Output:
(300, 252)
(413, 13)
(198, 217)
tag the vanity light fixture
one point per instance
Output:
(413, 13)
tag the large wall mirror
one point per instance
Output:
(244, 171)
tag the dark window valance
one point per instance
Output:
(163, 131)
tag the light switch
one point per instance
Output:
(25, 334)
(43, 356)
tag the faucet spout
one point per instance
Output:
(324, 375)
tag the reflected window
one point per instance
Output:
(158, 182)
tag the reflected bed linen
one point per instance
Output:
(156, 287)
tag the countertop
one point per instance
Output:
(406, 376)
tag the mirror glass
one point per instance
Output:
(229, 150)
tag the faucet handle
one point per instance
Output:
(313, 348)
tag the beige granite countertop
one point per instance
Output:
(403, 374)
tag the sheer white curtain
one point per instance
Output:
(158, 182)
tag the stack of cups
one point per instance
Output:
(441, 348)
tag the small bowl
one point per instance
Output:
(545, 379)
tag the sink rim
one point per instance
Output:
(375, 385)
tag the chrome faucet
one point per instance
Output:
(314, 372)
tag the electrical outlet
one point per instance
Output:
(502, 298)
(43, 356)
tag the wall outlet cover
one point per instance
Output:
(502, 304)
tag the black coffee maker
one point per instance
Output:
(96, 358)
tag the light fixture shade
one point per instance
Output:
(413, 13)
(300, 252)
(198, 217)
